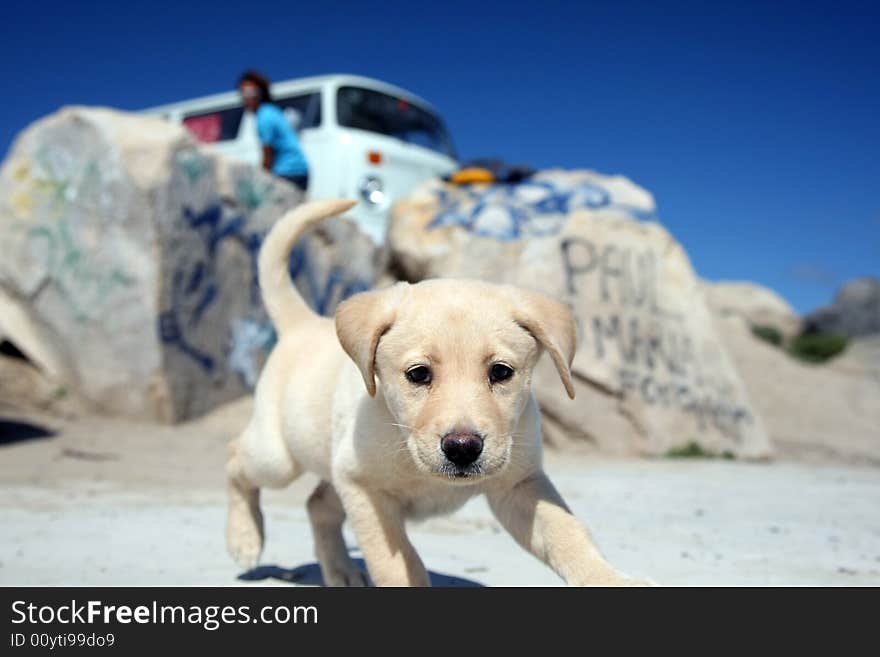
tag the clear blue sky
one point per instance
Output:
(755, 125)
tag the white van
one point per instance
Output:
(363, 138)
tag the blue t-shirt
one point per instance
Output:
(275, 131)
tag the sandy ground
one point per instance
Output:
(106, 502)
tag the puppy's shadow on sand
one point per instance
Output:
(309, 574)
(12, 431)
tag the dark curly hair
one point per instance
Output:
(258, 79)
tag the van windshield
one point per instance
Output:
(365, 109)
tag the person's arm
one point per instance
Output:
(268, 157)
(266, 130)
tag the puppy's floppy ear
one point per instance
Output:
(360, 322)
(550, 323)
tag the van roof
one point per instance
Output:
(293, 85)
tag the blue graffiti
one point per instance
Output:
(210, 226)
(251, 194)
(512, 211)
(194, 289)
(324, 295)
(171, 332)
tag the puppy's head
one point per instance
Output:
(454, 361)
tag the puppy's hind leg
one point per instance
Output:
(258, 459)
(244, 525)
(327, 515)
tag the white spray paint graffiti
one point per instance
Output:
(250, 340)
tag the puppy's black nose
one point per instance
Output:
(462, 448)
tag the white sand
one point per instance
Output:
(113, 503)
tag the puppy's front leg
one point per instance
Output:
(536, 516)
(379, 525)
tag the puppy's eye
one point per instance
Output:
(420, 375)
(499, 372)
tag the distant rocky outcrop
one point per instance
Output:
(854, 312)
(651, 373)
(757, 305)
(128, 263)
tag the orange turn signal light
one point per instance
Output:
(374, 157)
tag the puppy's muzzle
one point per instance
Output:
(462, 448)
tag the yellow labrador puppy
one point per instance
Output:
(415, 401)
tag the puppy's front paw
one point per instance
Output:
(615, 579)
(625, 580)
(343, 576)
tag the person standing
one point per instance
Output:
(282, 154)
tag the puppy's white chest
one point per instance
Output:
(439, 500)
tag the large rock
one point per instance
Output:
(827, 412)
(651, 374)
(855, 311)
(757, 305)
(128, 262)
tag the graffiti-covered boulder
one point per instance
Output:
(651, 375)
(130, 255)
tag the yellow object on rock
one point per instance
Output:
(472, 175)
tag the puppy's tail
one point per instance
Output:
(283, 303)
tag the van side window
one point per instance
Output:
(365, 109)
(214, 126)
(303, 111)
